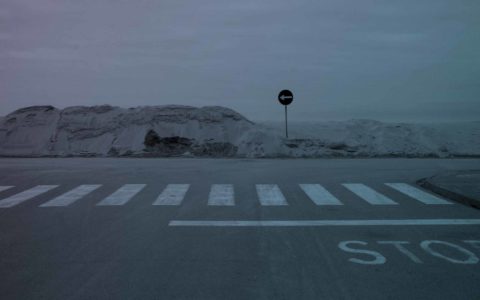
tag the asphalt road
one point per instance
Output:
(233, 229)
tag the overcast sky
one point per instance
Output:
(408, 60)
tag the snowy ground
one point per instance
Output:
(220, 132)
(371, 138)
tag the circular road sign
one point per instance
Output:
(285, 97)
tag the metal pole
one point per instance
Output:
(286, 121)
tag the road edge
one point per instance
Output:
(427, 184)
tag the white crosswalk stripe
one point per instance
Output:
(368, 194)
(5, 187)
(319, 195)
(26, 195)
(270, 195)
(173, 194)
(417, 194)
(221, 195)
(72, 196)
(122, 195)
(224, 195)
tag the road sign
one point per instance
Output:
(285, 97)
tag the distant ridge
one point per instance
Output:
(214, 131)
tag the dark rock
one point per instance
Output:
(97, 109)
(338, 146)
(167, 146)
(33, 109)
(151, 138)
(113, 152)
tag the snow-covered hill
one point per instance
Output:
(218, 132)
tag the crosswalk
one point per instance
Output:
(122, 195)
(368, 194)
(173, 194)
(72, 196)
(270, 195)
(416, 193)
(222, 195)
(4, 188)
(319, 195)
(25, 195)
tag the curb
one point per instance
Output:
(448, 194)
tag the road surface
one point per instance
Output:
(233, 229)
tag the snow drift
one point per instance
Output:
(175, 130)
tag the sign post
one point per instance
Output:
(285, 97)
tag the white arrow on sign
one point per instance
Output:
(283, 97)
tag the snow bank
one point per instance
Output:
(219, 132)
(369, 138)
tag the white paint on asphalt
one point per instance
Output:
(224, 195)
(417, 194)
(319, 195)
(122, 195)
(270, 195)
(400, 246)
(173, 194)
(72, 196)
(470, 257)
(26, 195)
(5, 187)
(377, 258)
(368, 194)
(314, 223)
(446, 251)
(221, 195)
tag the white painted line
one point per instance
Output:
(417, 194)
(368, 194)
(122, 195)
(221, 195)
(173, 194)
(303, 223)
(72, 196)
(270, 195)
(5, 187)
(26, 195)
(319, 195)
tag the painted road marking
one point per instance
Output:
(173, 194)
(417, 194)
(270, 195)
(317, 223)
(368, 194)
(319, 195)
(471, 258)
(378, 259)
(400, 246)
(224, 195)
(26, 195)
(72, 196)
(5, 187)
(122, 195)
(450, 252)
(221, 194)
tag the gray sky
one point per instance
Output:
(408, 60)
